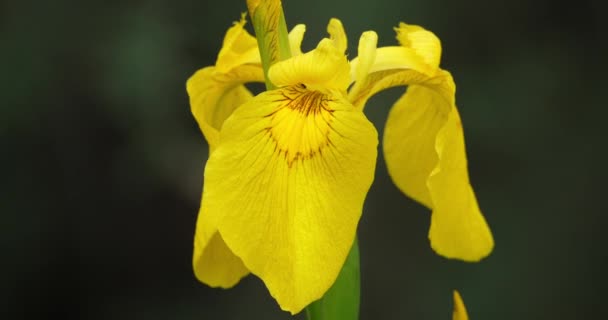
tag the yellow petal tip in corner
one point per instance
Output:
(460, 311)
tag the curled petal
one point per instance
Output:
(423, 42)
(419, 53)
(381, 80)
(322, 68)
(286, 186)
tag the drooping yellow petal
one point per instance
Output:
(320, 69)
(458, 229)
(337, 34)
(422, 41)
(286, 188)
(423, 141)
(295, 39)
(425, 155)
(410, 133)
(460, 311)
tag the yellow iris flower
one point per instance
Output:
(289, 169)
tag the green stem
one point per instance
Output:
(341, 301)
(271, 32)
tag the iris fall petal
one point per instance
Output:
(286, 186)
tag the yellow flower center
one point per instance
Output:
(301, 126)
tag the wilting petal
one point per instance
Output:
(422, 41)
(337, 34)
(425, 156)
(214, 96)
(286, 186)
(460, 312)
(323, 68)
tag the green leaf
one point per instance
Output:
(341, 301)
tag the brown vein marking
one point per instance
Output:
(306, 103)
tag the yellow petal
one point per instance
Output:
(238, 48)
(295, 39)
(423, 42)
(395, 58)
(460, 312)
(409, 140)
(361, 65)
(212, 261)
(286, 186)
(322, 68)
(214, 95)
(216, 91)
(458, 229)
(381, 80)
(420, 52)
(337, 34)
(425, 156)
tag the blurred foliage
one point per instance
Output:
(102, 162)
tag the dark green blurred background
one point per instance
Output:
(102, 162)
